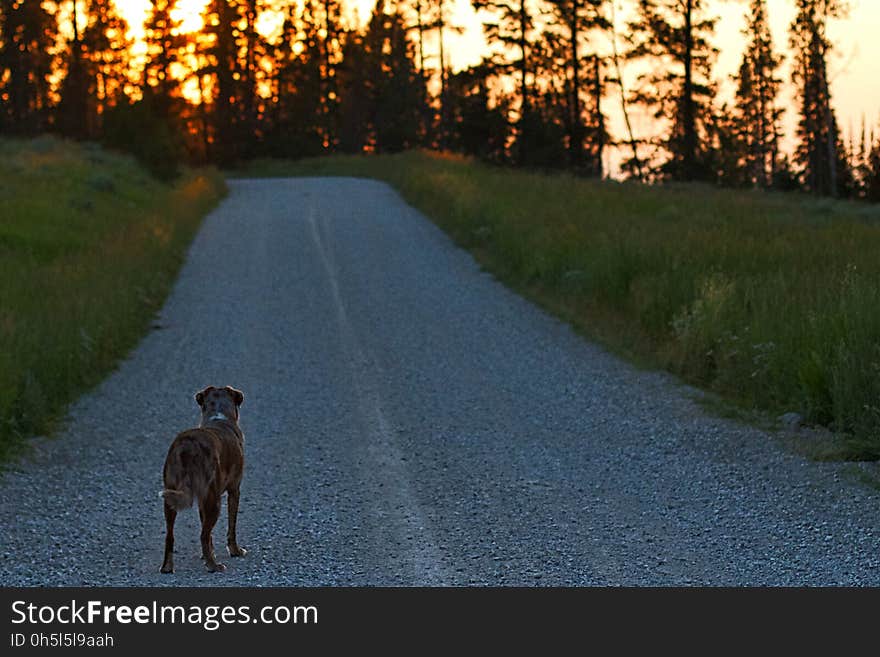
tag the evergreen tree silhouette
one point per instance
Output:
(674, 36)
(28, 33)
(757, 114)
(512, 32)
(577, 19)
(819, 154)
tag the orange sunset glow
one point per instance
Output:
(853, 64)
(459, 74)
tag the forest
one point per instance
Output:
(320, 82)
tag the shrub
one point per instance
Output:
(140, 130)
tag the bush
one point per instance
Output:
(140, 130)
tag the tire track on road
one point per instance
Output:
(396, 503)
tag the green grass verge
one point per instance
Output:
(89, 247)
(771, 300)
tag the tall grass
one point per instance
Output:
(771, 300)
(89, 247)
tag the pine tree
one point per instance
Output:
(397, 87)
(165, 45)
(97, 75)
(576, 20)
(306, 65)
(300, 128)
(674, 36)
(27, 35)
(862, 152)
(200, 73)
(633, 165)
(355, 91)
(422, 18)
(819, 154)
(331, 45)
(223, 31)
(248, 76)
(431, 18)
(108, 53)
(513, 29)
(872, 171)
(256, 57)
(724, 157)
(756, 116)
(549, 122)
(479, 126)
(73, 108)
(860, 158)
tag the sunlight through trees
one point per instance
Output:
(224, 81)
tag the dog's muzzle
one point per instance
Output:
(218, 416)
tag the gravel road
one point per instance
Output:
(408, 420)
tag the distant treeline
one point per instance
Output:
(539, 97)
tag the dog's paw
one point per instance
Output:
(166, 569)
(236, 551)
(216, 567)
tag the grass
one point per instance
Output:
(770, 300)
(89, 247)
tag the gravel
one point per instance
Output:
(408, 420)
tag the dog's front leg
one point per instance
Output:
(168, 563)
(232, 501)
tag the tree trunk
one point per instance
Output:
(250, 82)
(761, 172)
(444, 118)
(830, 129)
(576, 138)
(203, 115)
(689, 137)
(524, 90)
(76, 113)
(623, 105)
(600, 120)
(421, 31)
(327, 78)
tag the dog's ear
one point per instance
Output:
(200, 396)
(237, 395)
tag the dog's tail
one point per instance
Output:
(177, 499)
(188, 474)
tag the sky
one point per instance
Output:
(853, 64)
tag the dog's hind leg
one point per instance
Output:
(209, 510)
(168, 563)
(232, 502)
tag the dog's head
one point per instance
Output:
(219, 404)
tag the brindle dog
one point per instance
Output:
(204, 463)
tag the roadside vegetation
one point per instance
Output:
(771, 300)
(90, 244)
